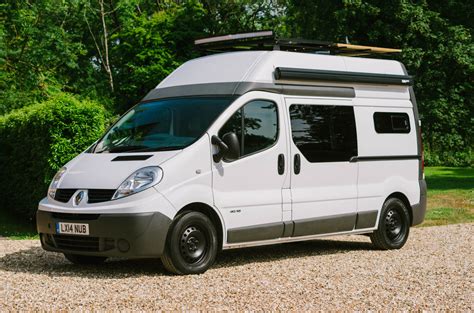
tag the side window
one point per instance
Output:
(324, 133)
(391, 123)
(255, 124)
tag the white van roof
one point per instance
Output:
(259, 66)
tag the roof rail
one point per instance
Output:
(268, 40)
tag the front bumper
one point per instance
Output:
(110, 235)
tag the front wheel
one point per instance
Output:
(394, 226)
(84, 259)
(192, 244)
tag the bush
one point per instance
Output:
(452, 158)
(37, 140)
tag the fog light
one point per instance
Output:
(123, 245)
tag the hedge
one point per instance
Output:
(37, 140)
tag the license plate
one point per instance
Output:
(72, 228)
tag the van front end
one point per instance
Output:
(129, 227)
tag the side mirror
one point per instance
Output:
(229, 148)
(232, 142)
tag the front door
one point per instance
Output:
(248, 191)
(323, 180)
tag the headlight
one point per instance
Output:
(55, 182)
(140, 180)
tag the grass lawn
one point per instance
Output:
(450, 195)
(450, 201)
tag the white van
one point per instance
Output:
(244, 149)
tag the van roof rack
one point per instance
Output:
(268, 40)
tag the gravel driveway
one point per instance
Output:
(435, 270)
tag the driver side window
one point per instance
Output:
(255, 124)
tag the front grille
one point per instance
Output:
(100, 195)
(95, 195)
(77, 243)
(63, 195)
(75, 217)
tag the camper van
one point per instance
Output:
(247, 148)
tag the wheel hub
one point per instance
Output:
(193, 244)
(393, 224)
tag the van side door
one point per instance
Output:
(248, 191)
(323, 180)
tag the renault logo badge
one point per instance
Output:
(79, 197)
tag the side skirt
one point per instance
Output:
(302, 228)
(293, 239)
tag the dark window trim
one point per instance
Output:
(278, 128)
(240, 88)
(402, 131)
(384, 158)
(292, 139)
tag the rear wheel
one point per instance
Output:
(394, 226)
(84, 259)
(191, 246)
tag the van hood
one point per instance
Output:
(108, 170)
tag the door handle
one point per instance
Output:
(281, 164)
(297, 164)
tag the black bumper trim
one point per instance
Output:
(419, 210)
(145, 232)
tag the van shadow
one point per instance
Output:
(37, 261)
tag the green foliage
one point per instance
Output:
(438, 49)
(37, 140)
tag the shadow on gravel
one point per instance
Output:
(37, 261)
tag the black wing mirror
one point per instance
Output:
(229, 147)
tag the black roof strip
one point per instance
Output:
(285, 73)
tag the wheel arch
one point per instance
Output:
(405, 200)
(210, 212)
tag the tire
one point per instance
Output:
(84, 259)
(394, 226)
(191, 244)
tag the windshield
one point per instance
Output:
(169, 124)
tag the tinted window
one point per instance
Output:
(255, 124)
(388, 122)
(324, 133)
(162, 125)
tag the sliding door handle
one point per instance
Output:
(297, 164)
(281, 164)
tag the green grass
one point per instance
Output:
(450, 201)
(450, 195)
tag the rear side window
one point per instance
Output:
(391, 123)
(324, 133)
(255, 124)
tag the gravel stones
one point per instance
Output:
(434, 271)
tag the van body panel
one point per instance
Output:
(107, 174)
(323, 193)
(248, 191)
(188, 179)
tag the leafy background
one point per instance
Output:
(68, 67)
